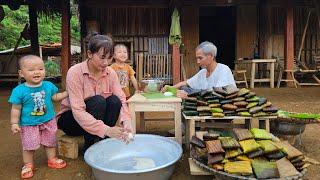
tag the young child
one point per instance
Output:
(32, 114)
(123, 70)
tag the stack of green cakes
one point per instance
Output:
(235, 102)
(251, 153)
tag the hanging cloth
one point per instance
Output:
(175, 30)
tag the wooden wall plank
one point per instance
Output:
(130, 20)
(190, 38)
(246, 30)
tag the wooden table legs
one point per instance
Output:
(253, 122)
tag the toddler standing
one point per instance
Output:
(32, 114)
(124, 71)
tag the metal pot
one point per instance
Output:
(286, 128)
(112, 159)
(151, 85)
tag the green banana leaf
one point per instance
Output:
(285, 114)
(156, 95)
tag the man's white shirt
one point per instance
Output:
(221, 76)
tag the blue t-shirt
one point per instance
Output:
(36, 103)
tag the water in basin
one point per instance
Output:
(146, 152)
(132, 163)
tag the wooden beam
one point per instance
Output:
(33, 19)
(65, 32)
(289, 38)
(176, 63)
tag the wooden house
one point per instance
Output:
(239, 29)
(272, 28)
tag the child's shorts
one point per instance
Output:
(43, 134)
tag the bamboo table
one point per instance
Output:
(253, 63)
(139, 103)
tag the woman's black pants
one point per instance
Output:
(107, 110)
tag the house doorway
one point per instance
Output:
(218, 25)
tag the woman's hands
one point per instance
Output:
(123, 133)
(127, 126)
(129, 135)
(114, 132)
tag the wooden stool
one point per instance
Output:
(292, 79)
(244, 80)
(68, 146)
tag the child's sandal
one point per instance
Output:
(27, 171)
(56, 163)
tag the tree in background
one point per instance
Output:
(49, 28)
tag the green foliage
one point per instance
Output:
(49, 29)
(52, 68)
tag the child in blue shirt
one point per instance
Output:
(32, 114)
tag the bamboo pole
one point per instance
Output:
(304, 35)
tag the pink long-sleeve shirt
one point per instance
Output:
(82, 85)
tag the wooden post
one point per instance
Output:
(175, 63)
(83, 31)
(65, 32)
(264, 22)
(33, 19)
(289, 39)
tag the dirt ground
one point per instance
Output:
(298, 100)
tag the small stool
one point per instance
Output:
(68, 146)
(292, 79)
(244, 80)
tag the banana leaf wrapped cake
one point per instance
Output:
(215, 158)
(197, 142)
(232, 153)
(239, 167)
(227, 101)
(265, 169)
(214, 146)
(258, 154)
(229, 143)
(249, 145)
(242, 134)
(210, 136)
(260, 133)
(268, 146)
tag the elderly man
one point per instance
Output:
(211, 75)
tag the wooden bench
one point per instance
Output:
(68, 146)
(13, 77)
